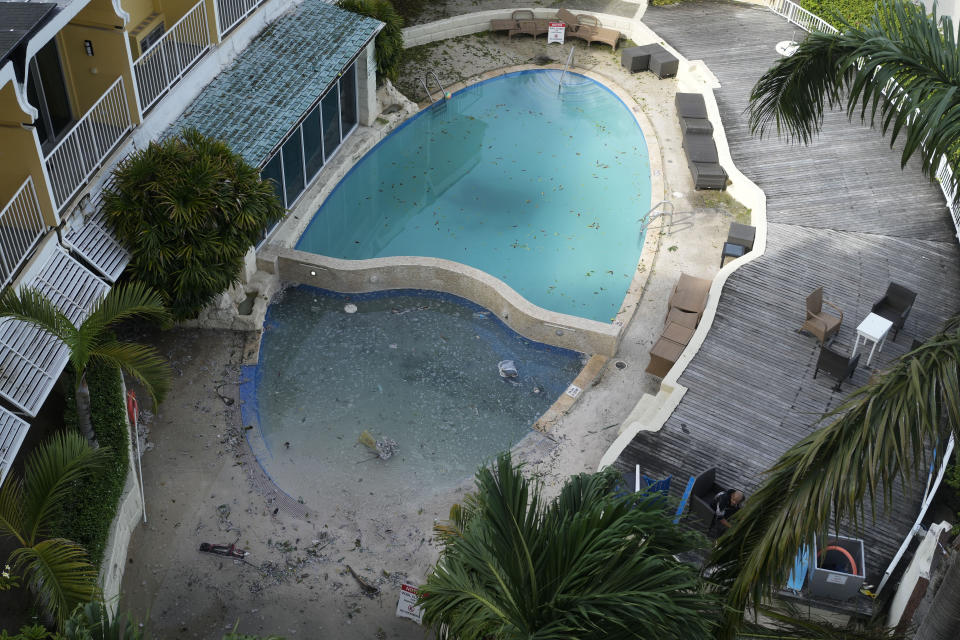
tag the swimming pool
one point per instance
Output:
(417, 367)
(539, 188)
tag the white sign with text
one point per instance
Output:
(407, 605)
(555, 32)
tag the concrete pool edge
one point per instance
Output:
(542, 325)
(435, 274)
(652, 411)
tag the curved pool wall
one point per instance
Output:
(419, 367)
(541, 188)
(537, 323)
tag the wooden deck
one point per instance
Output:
(841, 214)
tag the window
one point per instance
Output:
(330, 108)
(348, 99)
(273, 172)
(313, 143)
(47, 92)
(293, 182)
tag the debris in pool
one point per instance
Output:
(350, 307)
(384, 448)
(507, 369)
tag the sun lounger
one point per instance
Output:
(690, 294)
(530, 27)
(568, 19)
(512, 26)
(604, 35)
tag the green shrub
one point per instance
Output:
(388, 49)
(857, 12)
(189, 208)
(93, 506)
(409, 10)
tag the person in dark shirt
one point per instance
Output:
(725, 504)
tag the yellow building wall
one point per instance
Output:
(139, 10)
(20, 157)
(88, 77)
(101, 13)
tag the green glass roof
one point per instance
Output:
(271, 84)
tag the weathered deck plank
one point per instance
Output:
(841, 214)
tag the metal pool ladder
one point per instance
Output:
(565, 67)
(648, 218)
(423, 83)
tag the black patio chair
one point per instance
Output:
(895, 306)
(704, 489)
(837, 366)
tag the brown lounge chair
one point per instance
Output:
(530, 26)
(690, 294)
(570, 20)
(511, 26)
(821, 324)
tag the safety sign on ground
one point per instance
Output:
(407, 606)
(555, 32)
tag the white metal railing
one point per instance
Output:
(83, 150)
(163, 64)
(801, 17)
(231, 12)
(21, 225)
(892, 90)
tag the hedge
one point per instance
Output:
(857, 12)
(87, 516)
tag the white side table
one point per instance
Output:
(873, 328)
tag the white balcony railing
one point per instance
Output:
(163, 64)
(21, 225)
(231, 12)
(91, 140)
(801, 17)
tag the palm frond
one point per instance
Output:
(879, 438)
(123, 302)
(586, 565)
(33, 307)
(58, 573)
(11, 509)
(141, 361)
(900, 70)
(50, 470)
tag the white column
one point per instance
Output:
(367, 87)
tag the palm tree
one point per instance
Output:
(586, 565)
(93, 340)
(879, 436)
(56, 570)
(899, 44)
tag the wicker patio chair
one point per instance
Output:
(895, 306)
(821, 324)
(837, 366)
(511, 26)
(604, 35)
(530, 26)
(568, 19)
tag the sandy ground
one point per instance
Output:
(203, 486)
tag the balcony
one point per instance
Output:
(163, 64)
(21, 226)
(230, 13)
(82, 151)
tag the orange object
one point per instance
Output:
(853, 563)
(133, 409)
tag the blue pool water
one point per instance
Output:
(540, 190)
(419, 368)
